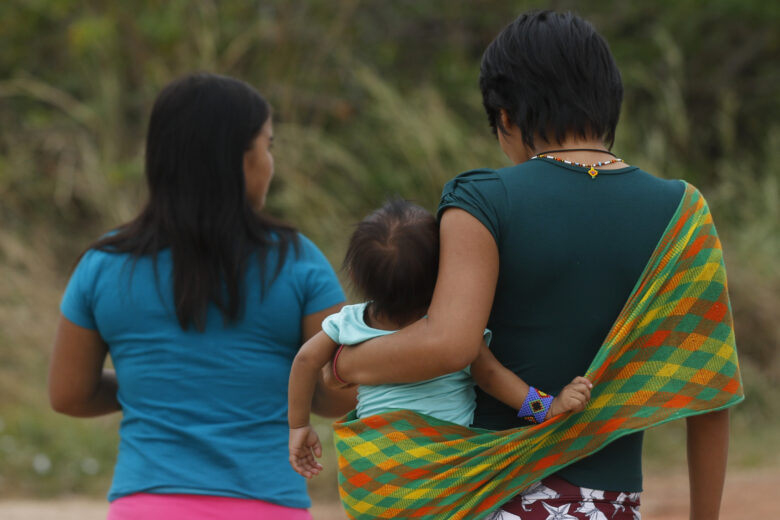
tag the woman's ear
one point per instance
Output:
(511, 140)
(506, 121)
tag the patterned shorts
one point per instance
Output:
(555, 499)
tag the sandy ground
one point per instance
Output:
(748, 494)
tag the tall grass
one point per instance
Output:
(348, 136)
(406, 144)
(403, 143)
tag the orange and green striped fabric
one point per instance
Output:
(670, 354)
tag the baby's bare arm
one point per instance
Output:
(503, 384)
(304, 375)
(497, 380)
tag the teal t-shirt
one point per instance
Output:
(449, 397)
(202, 412)
(571, 249)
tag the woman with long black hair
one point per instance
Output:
(202, 302)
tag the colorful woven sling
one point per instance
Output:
(670, 354)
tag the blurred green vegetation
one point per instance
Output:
(370, 99)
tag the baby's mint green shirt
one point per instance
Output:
(449, 397)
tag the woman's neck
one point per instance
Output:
(583, 151)
(576, 149)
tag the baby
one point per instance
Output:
(392, 260)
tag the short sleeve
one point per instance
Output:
(487, 336)
(77, 302)
(330, 326)
(482, 194)
(320, 285)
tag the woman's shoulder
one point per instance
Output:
(305, 241)
(476, 175)
(307, 264)
(483, 181)
(103, 250)
(481, 193)
(93, 268)
(660, 186)
(304, 249)
(95, 258)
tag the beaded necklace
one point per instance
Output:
(592, 171)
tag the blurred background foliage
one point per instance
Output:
(370, 98)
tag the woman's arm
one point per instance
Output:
(78, 383)
(328, 401)
(449, 339)
(708, 446)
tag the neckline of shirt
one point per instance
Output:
(580, 169)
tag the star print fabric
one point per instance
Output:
(556, 499)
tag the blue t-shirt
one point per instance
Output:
(203, 412)
(449, 397)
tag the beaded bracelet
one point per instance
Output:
(335, 359)
(535, 406)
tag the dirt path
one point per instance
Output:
(748, 494)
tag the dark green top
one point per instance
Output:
(571, 249)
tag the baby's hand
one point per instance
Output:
(572, 398)
(304, 446)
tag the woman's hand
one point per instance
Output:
(572, 398)
(304, 446)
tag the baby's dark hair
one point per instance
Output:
(393, 258)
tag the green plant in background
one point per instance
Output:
(46, 455)
(370, 99)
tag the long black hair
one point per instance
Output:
(199, 130)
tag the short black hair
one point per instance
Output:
(393, 259)
(555, 76)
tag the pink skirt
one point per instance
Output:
(149, 506)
